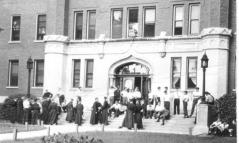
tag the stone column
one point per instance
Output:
(55, 63)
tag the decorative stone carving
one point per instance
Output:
(216, 31)
(56, 38)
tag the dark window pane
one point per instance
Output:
(117, 24)
(76, 74)
(16, 24)
(39, 74)
(133, 24)
(13, 73)
(133, 15)
(91, 24)
(89, 73)
(79, 25)
(178, 31)
(41, 27)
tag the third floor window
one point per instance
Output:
(178, 20)
(194, 19)
(41, 27)
(116, 30)
(16, 25)
(78, 25)
(91, 23)
(133, 23)
(149, 22)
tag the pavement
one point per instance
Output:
(176, 125)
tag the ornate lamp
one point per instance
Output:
(204, 65)
(29, 67)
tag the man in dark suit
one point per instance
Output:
(117, 94)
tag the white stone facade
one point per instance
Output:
(155, 53)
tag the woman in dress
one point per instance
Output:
(79, 112)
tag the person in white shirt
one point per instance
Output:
(196, 97)
(176, 102)
(158, 95)
(166, 99)
(26, 109)
(161, 112)
(124, 95)
(185, 103)
(111, 95)
(115, 108)
(151, 97)
(137, 94)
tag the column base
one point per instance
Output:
(200, 130)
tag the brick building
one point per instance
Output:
(98, 44)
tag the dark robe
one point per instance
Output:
(96, 115)
(35, 113)
(19, 110)
(105, 108)
(79, 113)
(12, 110)
(47, 95)
(53, 114)
(138, 116)
(45, 111)
(129, 117)
(70, 112)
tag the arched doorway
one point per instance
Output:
(133, 74)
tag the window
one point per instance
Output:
(117, 15)
(178, 20)
(176, 73)
(191, 72)
(76, 73)
(13, 73)
(194, 18)
(89, 73)
(41, 26)
(133, 24)
(39, 73)
(16, 24)
(78, 25)
(91, 24)
(149, 22)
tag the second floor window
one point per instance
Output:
(89, 73)
(13, 73)
(133, 24)
(41, 27)
(76, 73)
(178, 20)
(91, 23)
(78, 25)
(39, 73)
(16, 25)
(176, 73)
(149, 22)
(117, 15)
(194, 19)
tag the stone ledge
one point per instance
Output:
(56, 38)
(216, 31)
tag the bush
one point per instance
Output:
(227, 107)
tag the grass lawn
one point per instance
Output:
(130, 137)
(6, 127)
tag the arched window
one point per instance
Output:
(132, 68)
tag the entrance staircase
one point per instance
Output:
(176, 125)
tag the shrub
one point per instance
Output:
(227, 107)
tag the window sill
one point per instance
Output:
(12, 87)
(14, 42)
(37, 87)
(38, 41)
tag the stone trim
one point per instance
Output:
(216, 31)
(56, 38)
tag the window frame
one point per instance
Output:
(86, 73)
(37, 26)
(87, 24)
(189, 18)
(144, 17)
(11, 31)
(111, 22)
(187, 70)
(10, 73)
(171, 72)
(74, 25)
(127, 25)
(73, 73)
(35, 72)
(174, 18)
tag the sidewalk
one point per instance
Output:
(176, 125)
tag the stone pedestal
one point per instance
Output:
(202, 120)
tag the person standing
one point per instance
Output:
(105, 108)
(128, 121)
(176, 102)
(53, 113)
(96, 115)
(70, 112)
(124, 95)
(196, 97)
(35, 112)
(158, 95)
(26, 109)
(137, 94)
(20, 110)
(79, 112)
(185, 103)
(45, 110)
(117, 94)
(138, 115)
(166, 98)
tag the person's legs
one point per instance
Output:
(193, 106)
